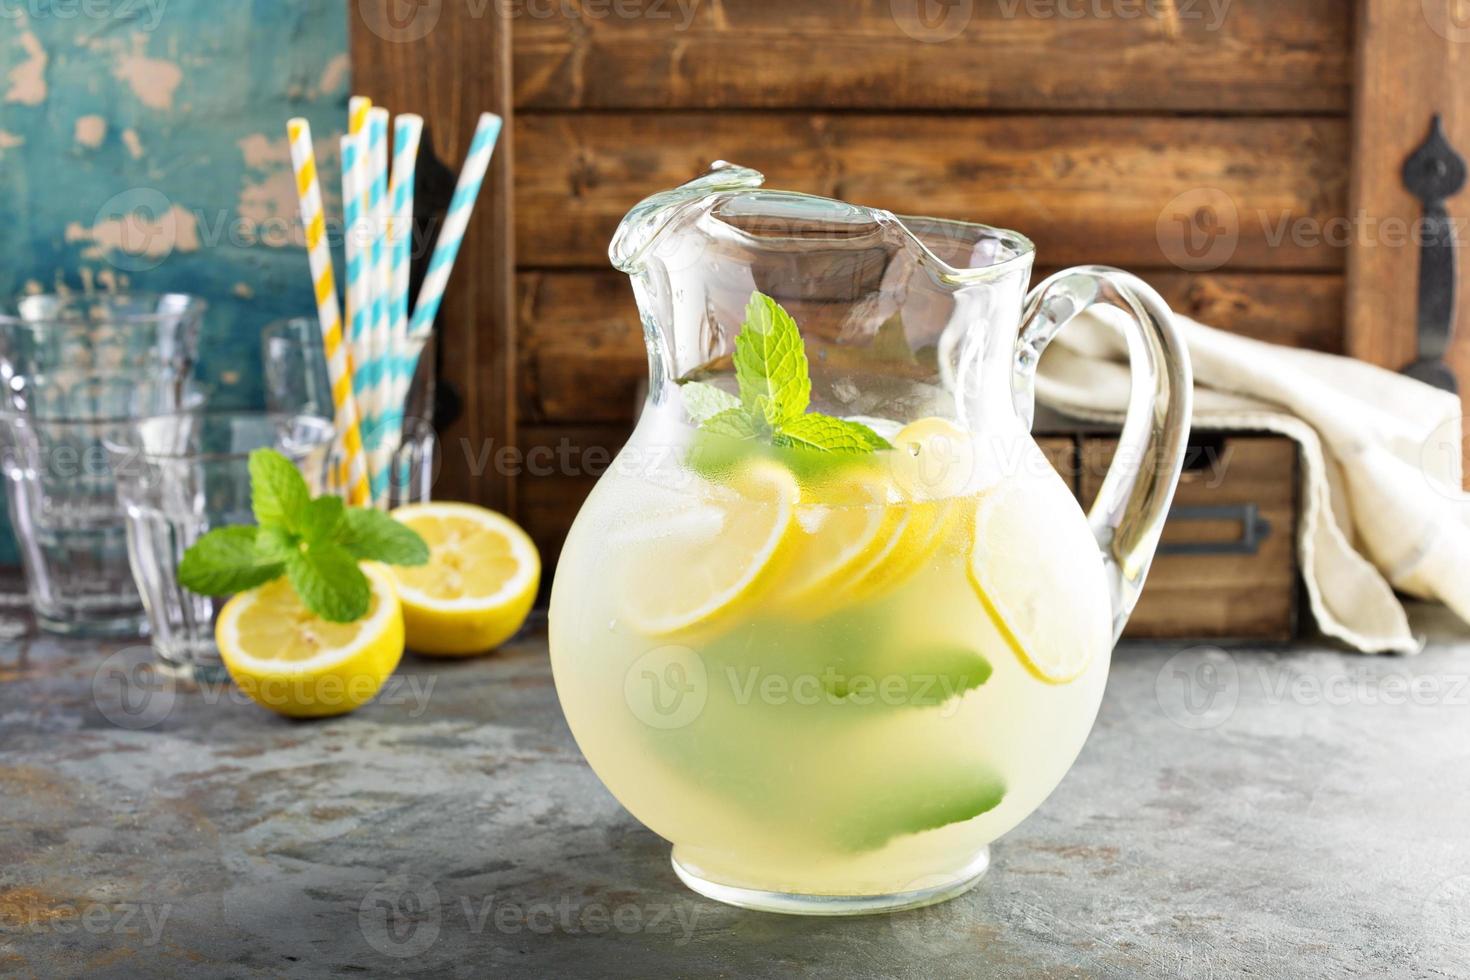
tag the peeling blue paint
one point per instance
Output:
(173, 111)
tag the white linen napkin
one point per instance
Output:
(1381, 504)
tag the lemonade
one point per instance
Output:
(831, 623)
(830, 679)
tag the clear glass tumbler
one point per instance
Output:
(179, 476)
(74, 372)
(295, 368)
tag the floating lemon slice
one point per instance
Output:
(686, 572)
(843, 522)
(1039, 574)
(288, 659)
(915, 532)
(478, 586)
(933, 459)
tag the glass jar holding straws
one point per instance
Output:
(372, 355)
(294, 365)
(76, 370)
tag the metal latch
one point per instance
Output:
(1253, 530)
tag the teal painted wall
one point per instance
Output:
(142, 144)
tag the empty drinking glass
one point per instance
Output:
(182, 475)
(295, 367)
(74, 372)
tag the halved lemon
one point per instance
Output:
(1038, 572)
(286, 658)
(844, 522)
(717, 558)
(479, 584)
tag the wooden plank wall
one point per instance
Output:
(1105, 131)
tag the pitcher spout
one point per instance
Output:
(643, 226)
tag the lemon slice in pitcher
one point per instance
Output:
(478, 586)
(288, 659)
(695, 567)
(1037, 570)
(844, 522)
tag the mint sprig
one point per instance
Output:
(315, 543)
(774, 376)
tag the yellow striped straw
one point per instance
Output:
(339, 358)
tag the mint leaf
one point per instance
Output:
(371, 535)
(330, 584)
(276, 544)
(704, 401)
(278, 493)
(732, 422)
(321, 518)
(924, 798)
(770, 363)
(225, 561)
(823, 432)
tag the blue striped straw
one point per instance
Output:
(431, 293)
(377, 209)
(357, 115)
(357, 295)
(407, 131)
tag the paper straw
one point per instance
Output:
(407, 130)
(431, 293)
(357, 114)
(379, 267)
(339, 358)
(357, 291)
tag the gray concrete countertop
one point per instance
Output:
(1301, 813)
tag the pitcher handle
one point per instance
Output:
(1128, 515)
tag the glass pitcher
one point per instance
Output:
(831, 623)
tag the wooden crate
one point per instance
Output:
(1227, 563)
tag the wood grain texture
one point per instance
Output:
(1085, 189)
(1413, 58)
(458, 69)
(582, 359)
(1220, 595)
(1244, 56)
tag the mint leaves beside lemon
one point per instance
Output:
(775, 384)
(315, 543)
